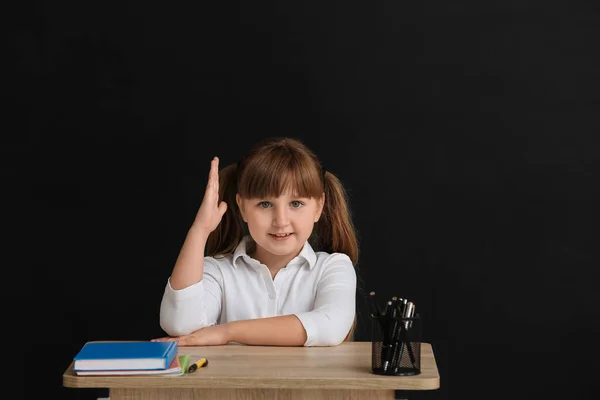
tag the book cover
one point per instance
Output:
(177, 368)
(125, 355)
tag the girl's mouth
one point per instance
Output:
(280, 236)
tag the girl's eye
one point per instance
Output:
(294, 204)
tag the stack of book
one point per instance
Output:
(130, 358)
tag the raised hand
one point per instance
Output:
(211, 211)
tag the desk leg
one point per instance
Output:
(249, 394)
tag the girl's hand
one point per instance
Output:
(210, 336)
(211, 212)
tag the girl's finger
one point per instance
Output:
(210, 173)
(212, 186)
(216, 175)
(222, 208)
(182, 341)
(214, 170)
(163, 339)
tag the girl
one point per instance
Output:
(272, 263)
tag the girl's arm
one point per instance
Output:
(326, 325)
(184, 307)
(189, 266)
(184, 311)
(286, 330)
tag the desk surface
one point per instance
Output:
(347, 366)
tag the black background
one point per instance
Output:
(465, 132)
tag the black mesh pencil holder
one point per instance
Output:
(396, 345)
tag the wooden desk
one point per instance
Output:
(262, 372)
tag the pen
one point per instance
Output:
(375, 312)
(397, 336)
(393, 304)
(401, 337)
(404, 303)
(408, 313)
(392, 328)
(386, 310)
(198, 364)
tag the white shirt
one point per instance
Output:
(319, 288)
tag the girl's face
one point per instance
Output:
(280, 225)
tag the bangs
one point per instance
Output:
(279, 172)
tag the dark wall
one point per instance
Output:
(466, 134)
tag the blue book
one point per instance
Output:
(123, 355)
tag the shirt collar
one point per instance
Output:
(306, 254)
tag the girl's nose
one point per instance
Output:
(281, 218)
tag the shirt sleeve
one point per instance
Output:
(186, 310)
(335, 304)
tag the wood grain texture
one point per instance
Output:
(347, 366)
(249, 394)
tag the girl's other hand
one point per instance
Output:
(211, 212)
(210, 336)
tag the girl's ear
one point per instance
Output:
(238, 200)
(320, 205)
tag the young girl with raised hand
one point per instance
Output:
(269, 258)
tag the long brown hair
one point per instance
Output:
(271, 167)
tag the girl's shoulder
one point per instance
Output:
(219, 261)
(337, 265)
(325, 259)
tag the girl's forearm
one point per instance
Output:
(286, 330)
(189, 266)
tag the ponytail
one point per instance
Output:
(335, 231)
